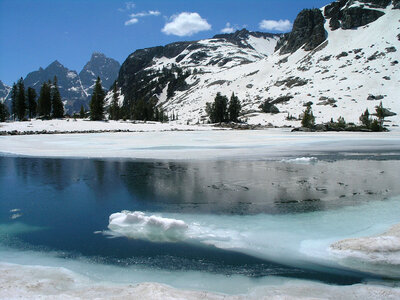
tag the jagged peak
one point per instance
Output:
(55, 63)
(97, 55)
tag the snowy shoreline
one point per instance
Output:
(181, 142)
(29, 281)
(72, 126)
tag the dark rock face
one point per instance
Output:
(396, 4)
(343, 16)
(356, 16)
(376, 3)
(69, 84)
(99, 65)
(132, 68)
(308, 31)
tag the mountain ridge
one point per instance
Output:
(75, 89)
(335, 68)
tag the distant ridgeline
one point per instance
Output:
(75, 89)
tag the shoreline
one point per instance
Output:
(45, 282)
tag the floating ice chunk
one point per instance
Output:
(15, 210)
(375, 252)
(15, 216)
(301, 160)
(137, 225)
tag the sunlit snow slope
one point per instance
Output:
(353, 69)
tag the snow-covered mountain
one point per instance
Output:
(75, 89)
(4, 91)
(343, 58)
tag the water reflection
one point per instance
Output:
(229, 187)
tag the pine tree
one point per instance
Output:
(82, 112)
(114, 107)
(44, 102)
(58, 107)
(14, 93)
(308, 120)
(365, 119)
(234, 108)
(20, 103)
(97, 102)
(218, 111)
(31, 102)
(380, 113)
(3, 112)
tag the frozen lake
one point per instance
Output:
(226, 212)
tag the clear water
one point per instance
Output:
(272, 215)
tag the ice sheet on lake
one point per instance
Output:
(176, 145)
(300, 240)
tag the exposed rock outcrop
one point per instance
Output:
(343, 15)
(308, 31)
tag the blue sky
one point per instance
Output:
(34, 33)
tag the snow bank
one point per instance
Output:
(79, 125)
(137, 225)
(59, 283)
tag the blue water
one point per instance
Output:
(71, 199)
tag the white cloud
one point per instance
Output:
(228, 28)
(134, 18)
(154, 13)
(131, 21)
(186, 24)
(128, 6)
(281, 25)
(145, 14)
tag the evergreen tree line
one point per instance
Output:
(308, 120)
(24, 105)
(222, 110)
(141, 109)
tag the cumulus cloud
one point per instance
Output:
(134, 18)
(280, 25)
(186, 24)
(228, 28)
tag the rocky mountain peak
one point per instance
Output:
(308, 31)
(99, 65)
(55, 65)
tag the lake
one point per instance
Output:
(243, 221)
